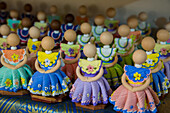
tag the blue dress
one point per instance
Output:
(65, 27)
(48, 84)
(23, 35)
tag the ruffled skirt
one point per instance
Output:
(166, 69)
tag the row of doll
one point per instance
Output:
(91, 86)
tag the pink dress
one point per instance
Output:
(135, 102)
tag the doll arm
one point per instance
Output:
(157, 68)
(72, 61)
(82, 78)
(129, 52)
(56, 67)
(95, 57)
(27, 51)
(113, 63)
(6, 64)
(22, 63)
(125, 84)
(37, 67)
(144, 86)
(166, 59)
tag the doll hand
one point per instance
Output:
(12, 67)
(134, 89)
(42, 71)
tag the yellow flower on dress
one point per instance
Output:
(22, 80)
(15, 57)
(8, 82)
(137, 76)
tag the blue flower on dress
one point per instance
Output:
(71, 51)
(149, 61)
(34, 47)
(131, 107)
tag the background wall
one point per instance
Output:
(125, 8)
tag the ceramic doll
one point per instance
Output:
(33, 45)
(159, 82)
(15, 74)
(13, 22)
(124, 45)
(85, 28)
(55, 32)
(48, 83)
(135, 95)
(83, 15)
(144, 26)
(72, 54)
(3, 13)
(110, 22)
(69, 19)
(4, 31)
(110, 59)
(164, 50)
(42, 25)
(98, 29)
(27, 13)
(90, 87)
(53, 14)
(23, 33)
(167, 27)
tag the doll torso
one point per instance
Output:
(163, 49)
(71, 51)
(14, 57)
(83, 40)
(42, 26)
(23, 34)
(97, 31)
(123, 45)
(106, 54)
(90, 68)
(81, 20)
(144, 27)
(65, 27)
(3, 17)
(57, 36)
(152, 61)
(111, 25)
(51, 18)
(13, 24)
(134, 35)
(47, 61)
(3, 44)
(33, 46)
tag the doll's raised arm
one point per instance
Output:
(22, 63)
(113, 63)
(125, 84)
(166, 59)
(37, 67)
(6, 64)
(56, 67)
(157, 68)
(72, 61)
(142, 87)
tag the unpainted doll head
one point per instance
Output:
(99, 20)
(85, 28)
(89, 50)
(123, 30)
(162, 35)
(111, 12)
(13, 39)
(5, 30)
(139, 56)
(148, 43)
(106, 38)
(70, 35)
(48, 43)
(34, 32)
(55, 25)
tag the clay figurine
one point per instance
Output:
(69, 19)
(110, 59)
(15, 73)
(143, 25)
(33, 45)
(110, 22)
(23, 33)
(159, 82)
(27, 13)
(167, 27)
(49, 84)
(135, 95)
(42, 25)
(72, 54)
(13, 22)
(98, 29)
(164, 50)
(3, 13)
(91, 90)
(83, 15)
(55, 33)
(53, 14)
(124, 45)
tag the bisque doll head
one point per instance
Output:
(41, 16)
(83, 10)
(148, 43)
(106, 38)
(167, 27)
(5, 30)
(13, 39)
(70, 35)
(89, 50)
(132, 22)
(26, 22)
(34, 32)
(123, 30)
(143, 16)
(53, 9)
(139, 56)
(69, 18)
(14, 14)
(28, 7)
(55, 25)
(111, 12)
(162, 35)
(99, 20)
(47, 43)
(85, 28)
